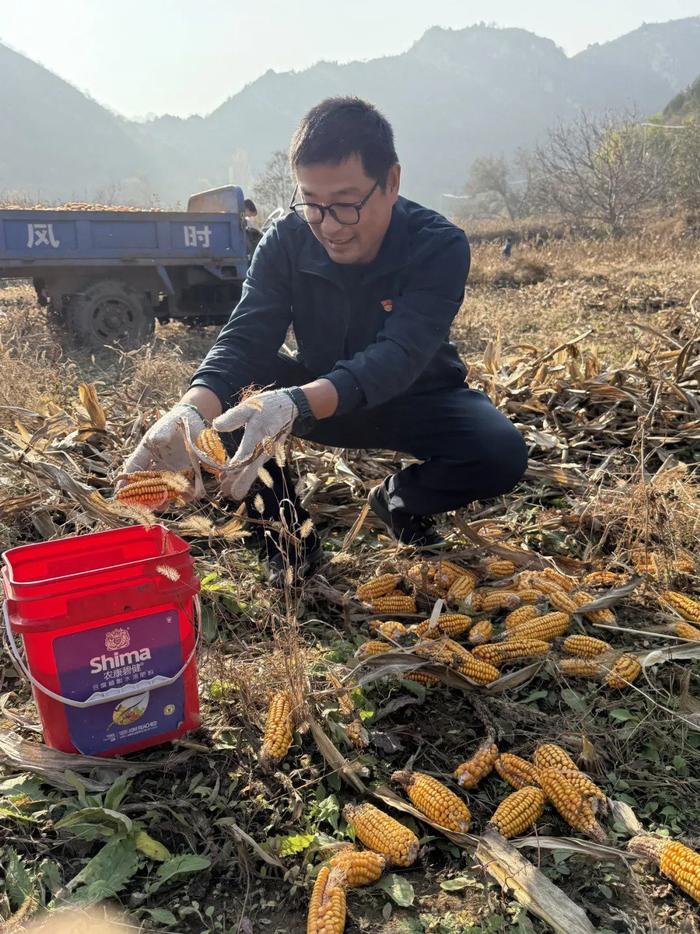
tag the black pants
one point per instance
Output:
(468, 449)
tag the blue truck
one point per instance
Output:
(107, 276)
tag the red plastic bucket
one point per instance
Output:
(109, 631)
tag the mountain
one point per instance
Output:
(685, 106)
(453, 96)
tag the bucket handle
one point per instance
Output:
(92, 702)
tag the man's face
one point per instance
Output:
(347, 183)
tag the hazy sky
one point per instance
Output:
(187, 56)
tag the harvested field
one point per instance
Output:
(592, 347)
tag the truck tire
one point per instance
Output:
(109, 312)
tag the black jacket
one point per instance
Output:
(376, 331)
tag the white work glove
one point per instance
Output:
(163, 447)
(267, 419)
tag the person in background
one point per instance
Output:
(507, 247)
(370, 283)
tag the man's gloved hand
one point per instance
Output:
(163, 446)
(267, 419)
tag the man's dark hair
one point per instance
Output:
(340, 127)
(249, 206)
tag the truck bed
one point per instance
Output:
(103, 238)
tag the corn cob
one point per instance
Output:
(209, 443)
(462, 587)
(357, 734)
(684, 605)
(475, 601)
(344, 700)
(381, 833)
(471, 772)
(435, 800)
(516, 771)
(177, 481)
(686, 631)
(585, 646)
(499, 653)
(580, 668)
(561, 580)
(377, 587)
(560, 600)
(481, 632)
(475, 669)
(625, 670)
(684, 563)
(543, 628)
(603, 579)
(358, 867)
(390, 629)
(676, 861)
(150, 494)
(327, 908)
(279, 724)
(551, 756)
(574, 807)
(449, 624)
(394, 602)
(581, 597)
(422, 677)
(450, 653)
(543, 585)
(518, 811)
(499, 567)
(584, 784)
(493, 600)
(372, 647)
(446, 573)
(528, 595)
(437, 651)
(523, 614)
(644, 561)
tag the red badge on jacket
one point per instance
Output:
(387, 305)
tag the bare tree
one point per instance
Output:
(274, 188)
(493, 175)
(601, 169)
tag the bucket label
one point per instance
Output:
(111, 658)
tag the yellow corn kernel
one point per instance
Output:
(494, 600)
(605, 616)
(604, 579)
(471, 772)
(560, 600)
(435, 800)
(150, 494)
(561, 580)
(389, 629)
(499, 567)
(645, 561)
(446, 573)
(683, 563)
(585, 646)
(394, 602)
(541, 583)
(383, 834)
(377, 587)
(357, 734)
(580, 668)
(519, 811)
(576, 809)
(522, 614)
(372, 647)
(684, 605)
(552, 756)
(449, 624)
(438, 651)
(528, 595)
(625, 670)
(422, 677)
(327, 908)
(462, 587)
(583, 784)
(358, 867)
(543, 628)
(686, 631)
(676, 861)
(481, 632)
(344, 700)
(516, 771)
(209, 443)
(279, 729)
(500, 653)
(475, 669)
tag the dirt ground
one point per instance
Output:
(593, 349)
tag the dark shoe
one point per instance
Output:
(418, 531)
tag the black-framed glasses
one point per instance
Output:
(346, 214)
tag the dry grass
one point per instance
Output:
(609, 472)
